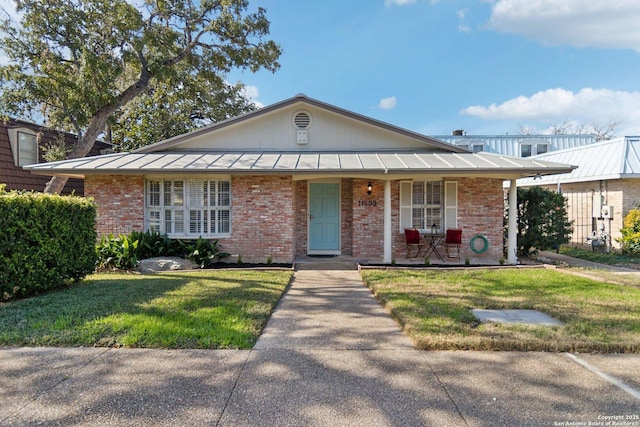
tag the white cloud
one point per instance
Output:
(559, 105)
(253, 93)
(462, 15)
(580, 23)
(388, 103)
(398, 2)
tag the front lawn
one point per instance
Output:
(434, 306)
(196, 309)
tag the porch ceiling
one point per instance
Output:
(348, 163)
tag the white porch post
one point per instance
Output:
(387, 222)
(512, 235)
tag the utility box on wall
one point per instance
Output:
(606, 212)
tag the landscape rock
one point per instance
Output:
(151, 265)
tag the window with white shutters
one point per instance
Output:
(425, 203)
(191, 208)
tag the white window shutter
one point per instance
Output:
(450, 204)
(406, 220)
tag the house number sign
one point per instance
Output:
(367, 203)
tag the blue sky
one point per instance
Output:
(485, 66)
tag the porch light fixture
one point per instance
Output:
(369, 188)
(434, 229)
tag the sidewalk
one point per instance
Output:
(329, 356)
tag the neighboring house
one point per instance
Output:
(21, 144)
(516, 145)
(302, 177)
(602, 190)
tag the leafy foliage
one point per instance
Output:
(542, 220)
(79, 63)
(46, 241)
(630, 240)
(125, 251)
(118, 251)
(174, 108)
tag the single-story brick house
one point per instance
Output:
(304, 177)
(601, 191)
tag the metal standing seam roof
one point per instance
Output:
(509, 145)
(612, 159)
(299, 162)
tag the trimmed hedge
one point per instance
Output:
(45, 242)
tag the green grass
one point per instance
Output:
(434, 309)
(204, 309)
(612, 258)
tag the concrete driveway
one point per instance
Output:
(329, 356)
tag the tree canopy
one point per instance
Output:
(80, 64)
(173, 108)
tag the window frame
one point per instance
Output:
(534, 148)
(448, 206)
(175, 207)
(20, 143)
(430, 205)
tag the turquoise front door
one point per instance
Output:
(324, 219)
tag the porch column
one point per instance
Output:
(512, 234)
(387, 222)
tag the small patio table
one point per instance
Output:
(433, 240)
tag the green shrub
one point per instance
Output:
(118, 251)
(203, 252)
(542, 220)
(125, 251)
(46, 241)
(152, 244)
(630, 240)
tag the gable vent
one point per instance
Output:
(302, 120)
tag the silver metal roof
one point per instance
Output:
(613, 159)
(301, 163)
(509, 145)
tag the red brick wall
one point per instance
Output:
(269, 215)
(347, 217)
(481, 211)
(368, 220)
(120, 201)
(262, 224)
(301, 213)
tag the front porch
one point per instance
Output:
(368, 219)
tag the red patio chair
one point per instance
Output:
(452, 243)
(414, 241)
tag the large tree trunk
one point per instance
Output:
(82, 148)
(56, 184)
(96, 126)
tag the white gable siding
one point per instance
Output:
(276, 132)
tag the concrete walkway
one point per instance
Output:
(329, 356)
